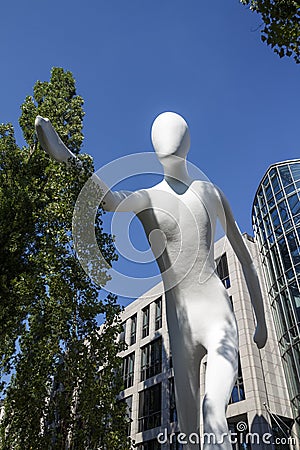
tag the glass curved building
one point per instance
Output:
(276, 223)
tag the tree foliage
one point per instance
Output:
(64, 386)
(281, 25)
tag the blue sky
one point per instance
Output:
(134, 59)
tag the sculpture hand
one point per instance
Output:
(50, 141)
(260, 335)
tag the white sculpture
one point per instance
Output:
(199, 314)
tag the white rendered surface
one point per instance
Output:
(179, 216)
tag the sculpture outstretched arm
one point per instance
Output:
(238, 244)
(112, 201)
(50, 141)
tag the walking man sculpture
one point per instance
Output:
(179, 216)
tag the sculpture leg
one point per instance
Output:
(221, 373)
(186, 363)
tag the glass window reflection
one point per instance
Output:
(285, 174)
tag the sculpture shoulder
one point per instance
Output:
(204, 188)
(203, 184)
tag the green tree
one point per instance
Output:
(16, 233)
(281, 25)
(64, 386)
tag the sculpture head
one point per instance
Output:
(170, 137)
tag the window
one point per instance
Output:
(294, 247)
(222, 270)
(289, 189)
(151, 359)
(123, 332)
(268, 192)
(238, 391)
(275, 183)
(128, 370)
(239, 437)
(133, 330)
(158, 313)
(128, 401)
(283, 211)
(145, 327)
(275, 218)
(284, 254)
(267, 225)
(150, 408)
(279, 195)
(172, 403)
(295, 168)
(285, 175)
(295, 295)
(294, 204)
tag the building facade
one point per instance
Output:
(259, 402)
(276, 223)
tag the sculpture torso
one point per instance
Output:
(183, 224)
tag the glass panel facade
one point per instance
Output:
(285, 175)
(278, 239)
(295, 169)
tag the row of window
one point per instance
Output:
(151, 365)
(145, 322)
(287, 178)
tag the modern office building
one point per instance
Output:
(259, 402)
(276, 223)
